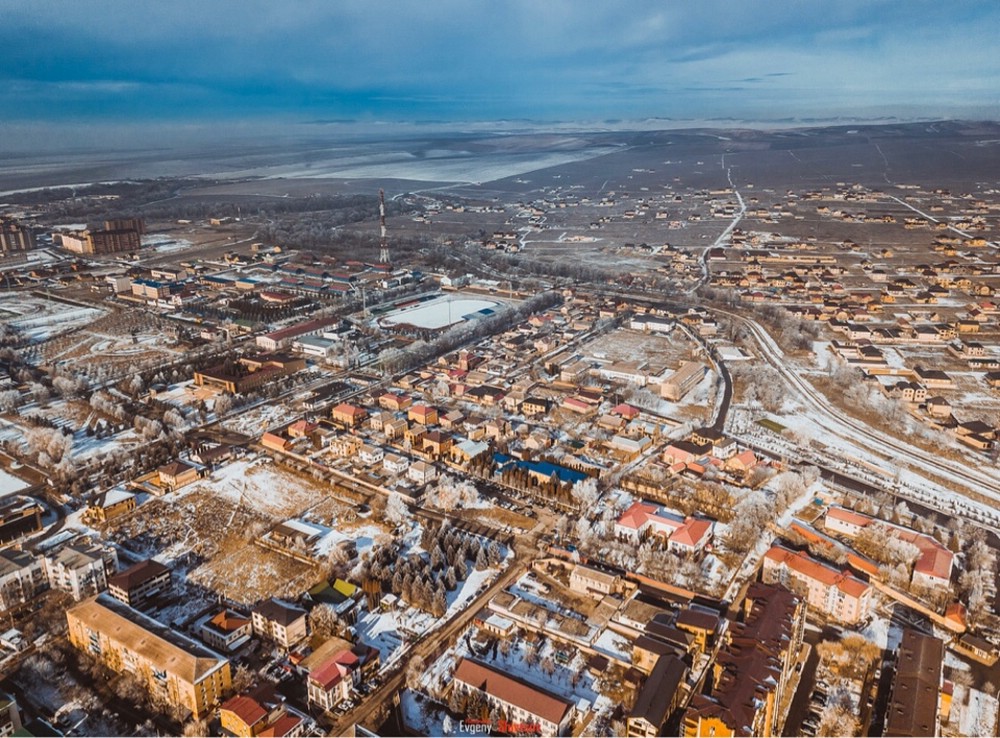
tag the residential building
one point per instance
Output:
(260, 713)
(330, 683)
(177, 474)
(109, 505)
(932, 567)
(660, 695)
(527, 704)
(10, 716)
(752, 670)
(395, 464)
(836, 594)
(172, 667)
(22, 578)
(15, 237)
(280, 622)
(140, 582)
(916, 687)
(81, 569)
(98, 241)
(226, 630)
(687, 535)
(19, 516)
(588, 580)
(421, 472)
(348, 415)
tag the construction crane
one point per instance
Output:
(384, 240)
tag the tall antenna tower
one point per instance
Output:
(383, 241)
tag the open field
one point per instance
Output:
(657, 351)
(114, 341)
(209, 529)
(40, 317)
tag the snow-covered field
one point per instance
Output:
(260, 486)
(259, 419)
(164, 243)
(9, 484)
(439, 313)
(40, 319)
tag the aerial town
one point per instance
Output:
(691, 439)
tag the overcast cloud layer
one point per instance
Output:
(102, 60)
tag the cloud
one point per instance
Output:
(457, 59)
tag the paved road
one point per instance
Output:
(428, 647)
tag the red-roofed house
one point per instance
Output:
(836, 594)
(274, 442)
(526, 704)
(742, 462)
(243, 716)
(576, 405)
(626, 411)
(301, 429)
(349, 415)
(330, 683)
(932, 567)
(259, 713)
(682, 535)
(845, 522)
(423, 414)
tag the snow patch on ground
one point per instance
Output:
(9, 484)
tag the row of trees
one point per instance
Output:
(424, 582)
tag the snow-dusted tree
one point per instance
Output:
(9, 400)
(396, 511)
(324, 621)
(414, 672)
(585, 494)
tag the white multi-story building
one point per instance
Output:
(81, 568)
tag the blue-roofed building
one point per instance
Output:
(543, 471)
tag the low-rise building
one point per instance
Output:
(281, 622)
(660, 696)
(682, 381)
(526, 704)
(226, 630)
(177, 474)
(684, 535)
(916, 687)
(137, 584)
(588, 580)
(260, 713)
(109, 505)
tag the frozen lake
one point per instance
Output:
(441, 312)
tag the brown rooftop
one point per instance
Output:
(137, 574)
(512, 691)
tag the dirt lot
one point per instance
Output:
(211, 526)
(659, 352)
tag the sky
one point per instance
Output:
(104, 61)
